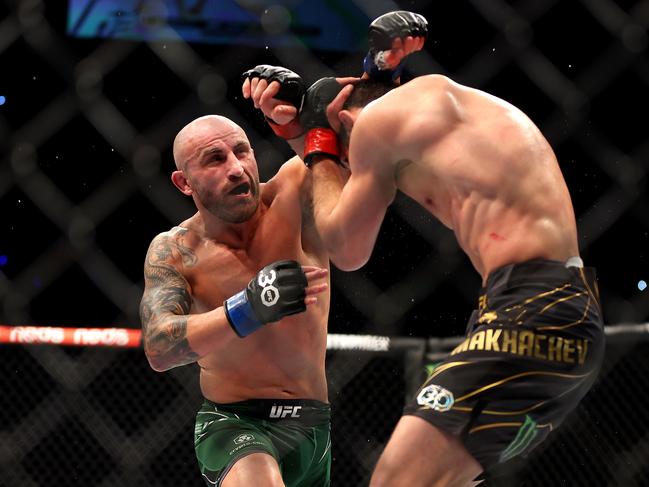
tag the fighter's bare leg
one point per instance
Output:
(258, 469)
(422, 455)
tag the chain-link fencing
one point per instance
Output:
(104, 418)
(86, 126)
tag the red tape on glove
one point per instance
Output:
(291, 130)
(321, 141)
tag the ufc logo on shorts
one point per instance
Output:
(269, 293)
(284, 411)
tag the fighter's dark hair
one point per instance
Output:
(366, 91)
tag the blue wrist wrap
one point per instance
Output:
(370, 67)
(240, 314)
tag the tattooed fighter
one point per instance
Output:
(224, 289)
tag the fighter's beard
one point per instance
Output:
(238, 212)
(234, 215)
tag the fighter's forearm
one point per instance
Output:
(328, 185)
(349, 214)
(297, 145)
(173, 340)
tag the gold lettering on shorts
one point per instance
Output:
(488, 317)
(462, 347)
(537, 346)
(554, 348)
(568, 349)
(582, 348)
(482, 302)
(477, 341)
(509, 341)
(491, 339)
(525, 343)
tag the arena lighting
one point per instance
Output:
(259, 24)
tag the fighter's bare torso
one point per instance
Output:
(476, 163)
(280, 360)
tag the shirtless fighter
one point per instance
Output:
(534, 345)
(224, 289)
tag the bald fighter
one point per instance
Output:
(241, 289)
(480, 165)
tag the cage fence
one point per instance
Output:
(103, 417)
(86, 126)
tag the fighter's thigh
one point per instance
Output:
(258, 469)
(420, 454)
(222, 444)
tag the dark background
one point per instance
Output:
(85, 145)
(87, 127)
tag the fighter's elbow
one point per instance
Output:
(160, 359)
(348, 260)
(156, 362)
(158, 367)
(346, 266)
(348, 249)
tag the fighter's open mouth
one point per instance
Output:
(241, 189)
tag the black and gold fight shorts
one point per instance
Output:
(533, 349)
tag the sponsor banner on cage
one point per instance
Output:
(52, 335)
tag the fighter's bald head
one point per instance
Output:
(200, 129)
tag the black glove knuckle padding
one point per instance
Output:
(392, 25)
(318, 97)
(291, 85)
(293, 280)
(290, 285)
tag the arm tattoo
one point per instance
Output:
(166, 304)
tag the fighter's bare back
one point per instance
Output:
(493, 179)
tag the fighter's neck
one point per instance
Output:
(235, 235)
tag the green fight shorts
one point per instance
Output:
(296, 433)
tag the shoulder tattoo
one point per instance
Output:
(166, 301)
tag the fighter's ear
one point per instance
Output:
(180, 181)
(346, 119)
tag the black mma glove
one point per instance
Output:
(382, 32)
(291, 90)
(276, 291)
(320, 138)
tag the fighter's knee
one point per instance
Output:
(259, 469)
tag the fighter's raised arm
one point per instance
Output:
(392, 37)
(350, 228)
(349, 214)
(279, 92)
